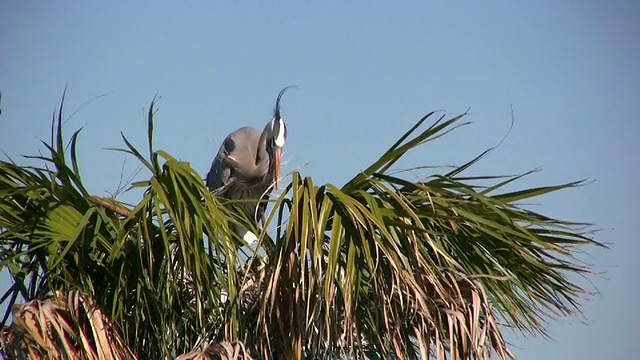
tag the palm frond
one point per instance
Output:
(61, 326)
(223, 350)
(384, 264)
(163, 265)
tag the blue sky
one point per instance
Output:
(365, 73)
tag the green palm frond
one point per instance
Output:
(381, 267)
(382, 264)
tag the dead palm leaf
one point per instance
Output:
(62, 326)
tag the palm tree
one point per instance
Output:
(381, 267)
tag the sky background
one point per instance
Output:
(365, 71)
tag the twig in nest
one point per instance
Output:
(118, 209)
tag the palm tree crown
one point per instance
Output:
(380, 267)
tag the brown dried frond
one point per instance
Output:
(223, 350)
(61, 326)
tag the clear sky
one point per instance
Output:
(365, 71)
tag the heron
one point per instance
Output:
(247, 167)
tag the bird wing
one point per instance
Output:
(220, 171)
(218, 175)
(236, 154)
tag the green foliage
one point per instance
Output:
(380, 267)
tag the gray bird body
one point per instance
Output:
(247, 166)
(240, 170)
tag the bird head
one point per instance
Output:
(277, 136)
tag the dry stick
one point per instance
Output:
(297, 169)
(120, 210)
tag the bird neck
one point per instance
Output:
(264, 163)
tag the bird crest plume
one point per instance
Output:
(276, 109)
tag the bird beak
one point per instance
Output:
(277, 156)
